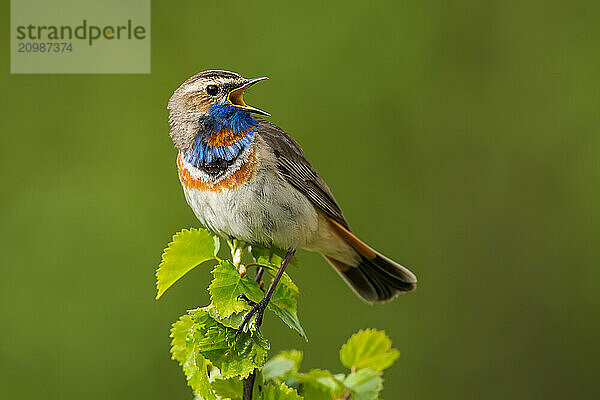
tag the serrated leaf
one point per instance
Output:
(189, 248)
(233, 355)
(283, 304)
(193, 364)
(282, 364)
(317, 392)
(227, 285)
(250, 352)
(319, 384)
(279, 391)
(364, 384)
(271, 256)
(198, 376)
(368, 348)
(228, 388)
(259, 383)
(285, 278)
(181, 332)
(233, 321)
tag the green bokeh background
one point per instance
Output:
(461, 138)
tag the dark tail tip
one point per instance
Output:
(387, 277)
(378, 279)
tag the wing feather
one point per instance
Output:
(296, 169)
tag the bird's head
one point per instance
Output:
(215, 92)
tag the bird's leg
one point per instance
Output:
(260, 307)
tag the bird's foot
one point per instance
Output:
(257, 308)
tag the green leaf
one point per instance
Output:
(285, 278)
(277, 367)
(368, 348)
(181, 333)
(227, 285)
(295, 355)
(228, 388)
(271, 256)
(249, 352)
(282, 364)
(233, 321)
(198, 378)
(259, 383)
(189, 248)
(193, 364)
(364, 384)
(283, 304)
(317, 392)
(233, 355)
(279, 391)
(271, 261)
(319, 384)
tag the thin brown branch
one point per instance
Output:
(249, 381)
(249, 386)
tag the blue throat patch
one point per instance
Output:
(222, 119)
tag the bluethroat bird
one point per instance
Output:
(246, 178)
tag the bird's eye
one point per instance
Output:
(213, 90)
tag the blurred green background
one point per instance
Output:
(461, 138)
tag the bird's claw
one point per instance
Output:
(258, 309)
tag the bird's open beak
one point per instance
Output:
(236, 96)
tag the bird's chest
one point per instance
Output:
(250, 202)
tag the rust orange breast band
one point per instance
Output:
(243, 174)
(225, 138)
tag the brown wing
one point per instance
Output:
(296, 169)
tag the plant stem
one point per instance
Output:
(259, 274)
(249, 381)
(249, 386)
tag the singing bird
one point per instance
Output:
(246, 178)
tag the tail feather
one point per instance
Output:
(374, 277)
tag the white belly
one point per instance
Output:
(269, 214)
(264, 210)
